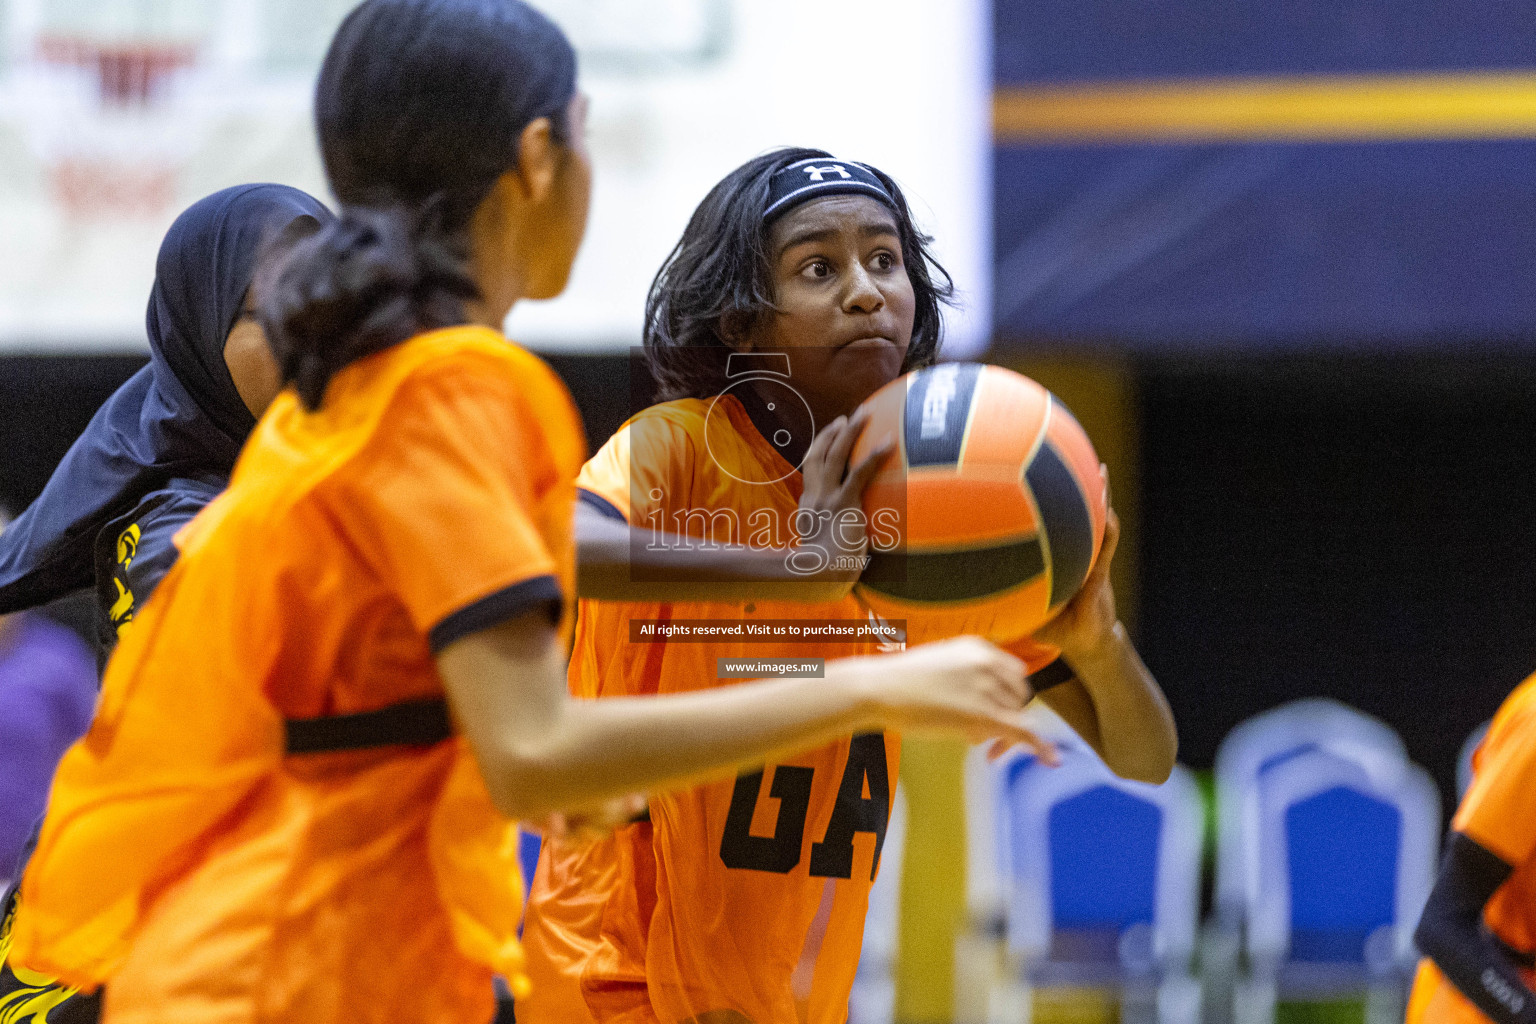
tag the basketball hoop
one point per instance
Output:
(111, 138)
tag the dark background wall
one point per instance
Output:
(1353, 524)
(1358, 527)
(1351, 527)
(46, 401)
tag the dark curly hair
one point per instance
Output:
(721, 270)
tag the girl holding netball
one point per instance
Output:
(800, 287)
(272, 817)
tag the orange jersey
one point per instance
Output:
(746, 895)
(190, 864)
(1499, 814)
(742, 901)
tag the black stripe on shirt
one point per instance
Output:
(601, 504)
(410, 723)
(492, 610)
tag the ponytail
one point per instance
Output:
(364, 283)
(419, 108)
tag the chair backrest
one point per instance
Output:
(986, 795)
(1464, 759)
(1267, 740)
(1345, 863)
(1092, 854)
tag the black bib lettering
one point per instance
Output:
(780, 852)
(853, 813)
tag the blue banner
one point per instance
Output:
(1218, 174)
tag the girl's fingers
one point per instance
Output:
(1111, 532)
(1106, 551)
(860, 476)
(817, 452)
(1008, 733)
(839, 450)
(820, 476)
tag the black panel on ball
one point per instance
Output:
(938, 406)
(949, 576)
(1064, 519)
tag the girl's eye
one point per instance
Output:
(819, 269)
(884, 262)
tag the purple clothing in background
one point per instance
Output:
(47, 698)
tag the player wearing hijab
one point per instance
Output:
(272, 818)
(1478, 931)
(800, 287)
(165, 442)
(158, 451)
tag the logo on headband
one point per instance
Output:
(816, 173)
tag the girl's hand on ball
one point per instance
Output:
(831, 489)
(1088, 622)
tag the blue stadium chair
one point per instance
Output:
(1103, 886)
(1464, 759)
(1345, 861)
(1315, 723)
(873, 999)
(986, 796)
(979, 945)
(1260, 743)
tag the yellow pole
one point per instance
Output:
(1101, 395)
(932, 879)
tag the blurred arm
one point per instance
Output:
(1113, 703)
(1116, 706)
(541, 751)
(610, 554)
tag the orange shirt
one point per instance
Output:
(742, 900)
(189, 863)
(739, 895)
(1499, 814)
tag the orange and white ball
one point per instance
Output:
(989, 514)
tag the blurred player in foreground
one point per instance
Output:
(744, 900)
(271, 818)
(1478, 932)
(152, 457)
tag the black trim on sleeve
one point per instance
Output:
(601, 504)
(1452, 934)
(1054, 674)
(410, 723)
(494, 609)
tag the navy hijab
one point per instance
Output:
(180, 416)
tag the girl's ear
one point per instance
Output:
(736, 330)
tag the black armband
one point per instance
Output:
(1452, 934)
(1054, 674)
